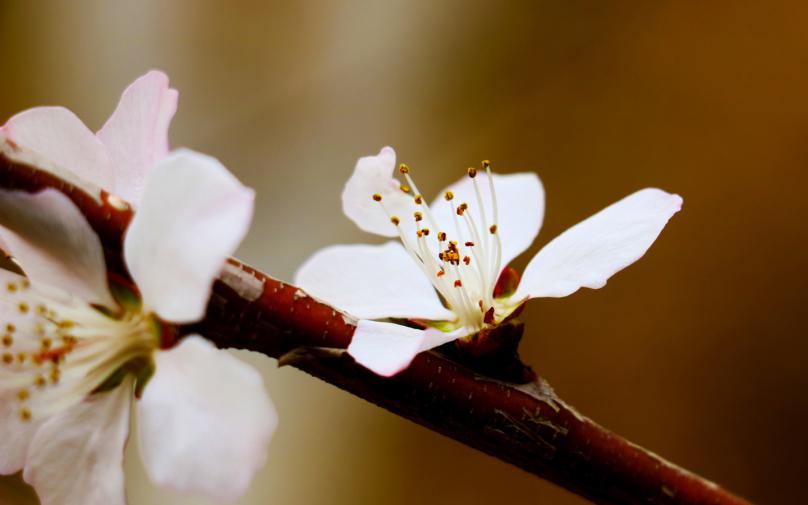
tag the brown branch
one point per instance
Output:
(526, 425)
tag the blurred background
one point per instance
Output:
(695, 352)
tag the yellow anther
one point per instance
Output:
(21, 357)
(419, 199)
(8, 358)
(40, 381)
(23, 307)
(11, 287)
(22, 395)
(8, 340)
(425, 231)
(418, 216)
(472, 172)
(403, 168)
(466, 260)
(469, 244)
(462, 208)
(46, 343)
(458, 283)
(25, 414)
(66, 324)
(493, 229)
(441, 273)
(10, 328)
(395, 220)
(441, 236)
(377, 197)
(486, 164)
(41, 310)
(448, 196)
(405, 188)
(55, 375)
(39, 329)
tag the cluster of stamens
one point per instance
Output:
(54, 352)
(463, 271)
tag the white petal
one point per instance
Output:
(55, 245)
(593, 250)
(15, 433)
(193, 215)
(76, 457)
(387, 348)
(520, 202)
(374, 174)
(54, 139)
(136, 135)
(371, 282)
(205, 421)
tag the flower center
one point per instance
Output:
(55, 352)
(462, 262)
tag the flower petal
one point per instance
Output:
(54, 139)
(387, 348)
(55, 245)
(374, 174)
(15, 433)
(205, 421)
(520, 203)
(193, 215)
(371, 282)
(136, 135)
(593, 250)
(76, 457)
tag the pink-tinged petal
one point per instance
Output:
(15, 433)
(374, 175)
(371, 282)
(593, 250)
(55, 245)
(192, 216)
(54, 139)
(387, 348)
(136, 135)
(205, 421)
(76, 457)
(520, 206)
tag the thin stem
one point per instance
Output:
(526, 425)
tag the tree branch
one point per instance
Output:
(526, 425)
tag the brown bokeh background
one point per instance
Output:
(696, 351)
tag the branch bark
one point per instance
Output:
(526, 425)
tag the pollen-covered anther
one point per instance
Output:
(11, 287)
(46, 344)
(418, 217)
(419, 199)
(40, 381)
(403, 168)
(466, 260)
(25, 414)
(461, 209)
(441, 273)
(23, 307)
(485, 164)
(377, 197)
(21, 357)
(41, 310)
(395, 220)
(23, 395)
(448, 196)
(469, 244)
(493, 229)
(10, 328)
(425, 231)
(8, 340)
(458, 283)
(8, 358)
(55, 375)
(472, 172)
(405, 188)
(442, 236)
